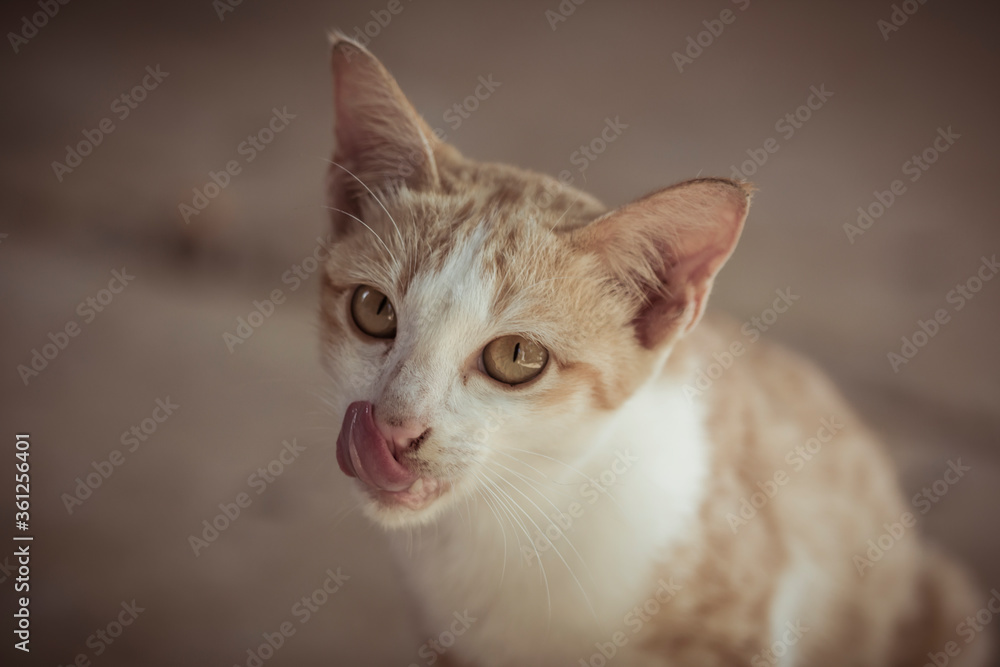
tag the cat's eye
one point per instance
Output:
(514, 359)
(373, 312)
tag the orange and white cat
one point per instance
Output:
(515, 366)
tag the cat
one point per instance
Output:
(515, 366)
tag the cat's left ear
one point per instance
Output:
(665, 250)
(381, 139)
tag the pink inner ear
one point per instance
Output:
(675, 304)
(652, 324)
(668, 247)
(379, 134)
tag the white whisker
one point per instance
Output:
(503, 569)
(350, 215)
(576, 470)
(555, 548)
(398, 233)
(510, 510)
(559, 219)
(528, 465)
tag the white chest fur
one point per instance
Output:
(567, 570)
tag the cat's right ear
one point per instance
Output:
(381, 140)
(664, 251)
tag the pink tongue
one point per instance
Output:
(364, 453)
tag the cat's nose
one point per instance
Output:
(402, 435)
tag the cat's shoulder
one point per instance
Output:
(725, 363)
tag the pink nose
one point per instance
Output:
(363, 451)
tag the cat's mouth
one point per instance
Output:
(419, 495)
(364, 453)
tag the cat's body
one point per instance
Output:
(602, 505)
(787, 576)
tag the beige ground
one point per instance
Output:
(162, 336)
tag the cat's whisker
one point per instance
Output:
(354, 217)
(554, 460)
(344, 513)
(556, 549)
(587, 477)
(497, 500)
(468, 511)
(528, 465)
(534, 486)
(365, 186)
(503, 531)
(559, 219)
(509, 504)
(562, 533)
(540, 491)
(534, 483)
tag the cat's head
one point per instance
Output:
(475, 314)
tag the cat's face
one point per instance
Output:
(473, 321)
(477, 330)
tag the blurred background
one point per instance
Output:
(117, 115)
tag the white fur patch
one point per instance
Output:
(653, 455)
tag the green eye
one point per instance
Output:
(514, 359)
(373, 312)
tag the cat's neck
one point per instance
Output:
(584, 540)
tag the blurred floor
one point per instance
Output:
(163, 335)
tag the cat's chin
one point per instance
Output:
(418, 504)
